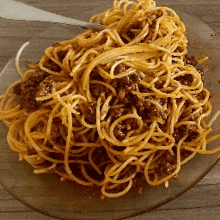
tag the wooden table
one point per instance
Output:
(200, 202)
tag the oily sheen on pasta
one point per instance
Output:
(114, 108)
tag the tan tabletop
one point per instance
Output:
(200, 202)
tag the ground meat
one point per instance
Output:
(62, 54)
(126, 98)
(134, 28)
(75, 122)
(100, 156)
(192, 136)
(132, 34)
(185, 153)
(147, 110)
(119, 132)
(45, 87)
(124, 86)
(190, 60)
(27, 90)
(185, 80)
(97, 89)
(122, 128)
(159, 84)
(55, 131)
(130, 82)
(37, 84)
(165, 164)
(139, 180)
(17, 89)
(90, 112)
(144, 89)
(121, 68)
(131, 123)
(201, 95)
(118, 112)
(183, 130)
(127, 83)
(96, 76)
(164, 168)
(131, 30)
(141, 105)
(52, 66)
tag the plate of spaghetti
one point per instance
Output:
(112, 123)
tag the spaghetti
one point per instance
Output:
(115, 107)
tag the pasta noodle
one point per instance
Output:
(114, 108)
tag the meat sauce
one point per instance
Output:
(146, 109)
(28, 89)
(40, 84)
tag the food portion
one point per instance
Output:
(116, 108)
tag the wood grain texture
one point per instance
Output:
(200, 202)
